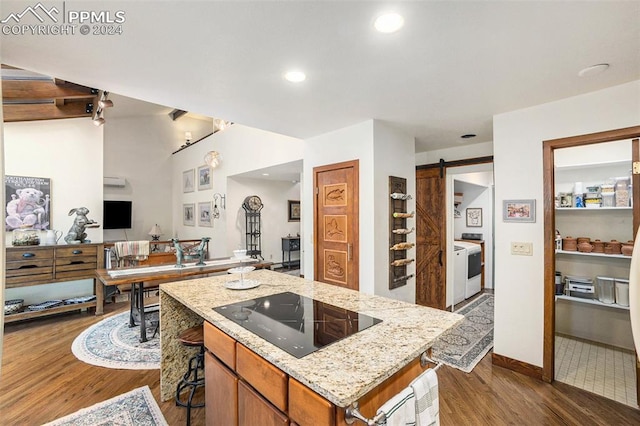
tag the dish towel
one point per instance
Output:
(399, 410)
(425, 390)
(138, 250)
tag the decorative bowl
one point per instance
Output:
(13, 306)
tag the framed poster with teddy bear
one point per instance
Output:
(28, 202)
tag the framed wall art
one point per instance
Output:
(294, 211)
(204, 177)
(189, 214)
(474, 217)
(188, 184)
(28, 202)
(204, 214)
(519, 211)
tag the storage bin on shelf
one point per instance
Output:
(605, 289)
(622, 291)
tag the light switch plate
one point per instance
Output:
(522, 248)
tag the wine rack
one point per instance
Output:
(398, 231)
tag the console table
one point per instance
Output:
(289, 244)
(35, 265)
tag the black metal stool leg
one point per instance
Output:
(192, 380)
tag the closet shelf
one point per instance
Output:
(591, 302)
(594, 209)
(579, 253)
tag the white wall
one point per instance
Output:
(70, 153)
(381, 151)
(241, 149)
(518, 137)
(474, 150)
(351, 143)
(139, 150)
(393, 156)
(274, 215)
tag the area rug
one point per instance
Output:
(135, 408)
(112, 344)
(467, 343)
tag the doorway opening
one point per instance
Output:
(581, 313)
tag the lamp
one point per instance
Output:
(155, 233)
(212, 158)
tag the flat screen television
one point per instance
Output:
(116, 215)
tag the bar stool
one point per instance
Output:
(194, 377)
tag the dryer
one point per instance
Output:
(473, 267)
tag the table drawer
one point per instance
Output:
(219, 344)
(26, 253)
(267, 379)
(76, 251)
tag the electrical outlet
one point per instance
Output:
(522, 249)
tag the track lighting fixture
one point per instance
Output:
(98, 117)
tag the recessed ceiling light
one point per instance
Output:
(265, 174)
(593, 70)
(468, 136)
(295, 76)
(388, 23)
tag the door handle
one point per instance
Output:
(349, 251)
(440, 258)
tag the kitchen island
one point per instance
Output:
(368, 367)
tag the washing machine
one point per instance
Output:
(473, 267)
(459, 273)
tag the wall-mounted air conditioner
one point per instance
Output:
(114, 181)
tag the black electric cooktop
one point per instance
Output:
(296, 324)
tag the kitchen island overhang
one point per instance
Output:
(342, 372)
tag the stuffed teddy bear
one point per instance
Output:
(25, 208)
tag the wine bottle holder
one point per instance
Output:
(398, 231)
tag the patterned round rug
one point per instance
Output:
(112, 344)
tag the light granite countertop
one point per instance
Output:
(346, 370)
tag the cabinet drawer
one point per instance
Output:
(304, 405)
(76, 251)
(254, 410)
(270, 381)
(219, 344)
(79, 262)
(75, 274)
(26, 253)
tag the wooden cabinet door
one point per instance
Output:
(431, 287)
(254, 410)
(336, 234)
(221, 395)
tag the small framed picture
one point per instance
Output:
(474, 217)
(204, 177)
(294, 211)
(188, 184)
(204, 214)
(189, 214)
(519, 210)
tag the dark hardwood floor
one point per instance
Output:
(41, 380)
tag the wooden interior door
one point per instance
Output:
(336, 224)
(431, 287)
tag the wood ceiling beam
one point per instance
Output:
(34, 112)
(15, 90)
